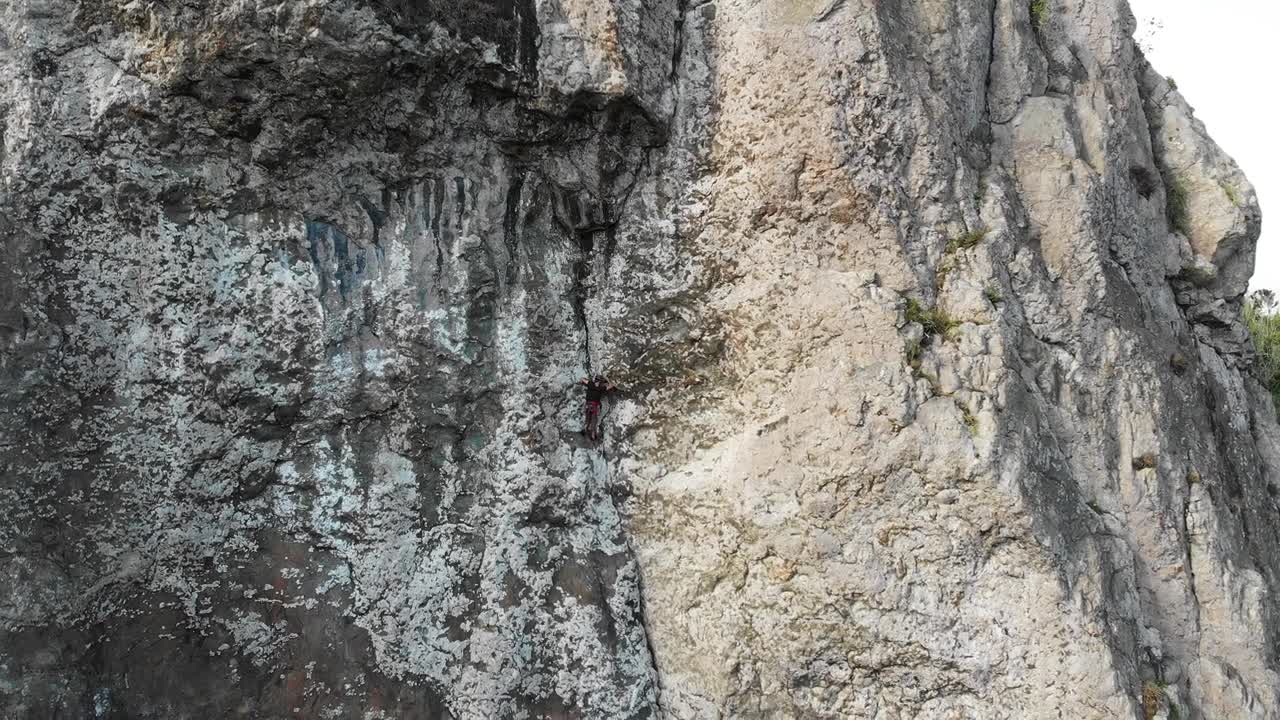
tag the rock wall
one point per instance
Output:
(935, 404)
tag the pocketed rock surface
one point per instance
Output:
(935, 401)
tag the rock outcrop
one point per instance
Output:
(936, 403)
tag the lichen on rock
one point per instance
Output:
(296, 298)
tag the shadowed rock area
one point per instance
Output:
(936, 402)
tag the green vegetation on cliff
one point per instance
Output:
(1262, 314)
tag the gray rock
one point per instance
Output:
(296, 298)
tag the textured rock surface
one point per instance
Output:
(936, 403)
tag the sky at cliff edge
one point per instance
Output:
(1224, 57)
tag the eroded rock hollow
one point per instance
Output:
(934, 401)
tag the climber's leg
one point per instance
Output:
(592, 429)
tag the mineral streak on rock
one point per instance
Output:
(295, 297)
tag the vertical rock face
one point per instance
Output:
(293, 314)
(936, 403)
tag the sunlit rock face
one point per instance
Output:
(934, 398)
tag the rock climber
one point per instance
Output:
(597, 388)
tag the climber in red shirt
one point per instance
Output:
(597, 388)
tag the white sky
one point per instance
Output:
(1224, 56)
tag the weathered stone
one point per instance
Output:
(936, 402)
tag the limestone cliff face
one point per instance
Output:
(936, 404)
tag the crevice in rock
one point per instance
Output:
(682, 8)
(510, 224)
(991, 60)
